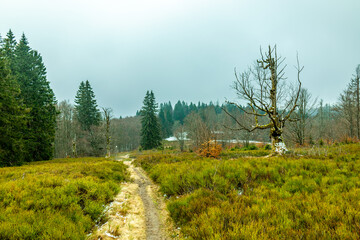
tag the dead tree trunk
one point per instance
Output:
(357, 95)
(107, 115)
(304, 114)
(74, 147)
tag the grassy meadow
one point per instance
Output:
(58, 199)
(311, 193)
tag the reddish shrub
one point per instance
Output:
(210, 149)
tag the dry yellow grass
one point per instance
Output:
(126, 215)
(129, 215)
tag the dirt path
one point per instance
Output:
(153, 230)
(137, 211)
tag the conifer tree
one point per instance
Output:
(88, 116)
(169, 119)
(150, 130)
(166, 119)
(179, 112)
(12, 118)
(27, 83)
(8, 49)
(87, 112)
(192, 108)
(37, 95)
(163, 122)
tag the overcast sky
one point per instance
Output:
(183, 49)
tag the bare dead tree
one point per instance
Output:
(180, 134)
(305, 113)
(197, 130)
(355, 82)
(346, 108)
(268, 96)
(107, 117)
(349, 106)
(64, 130)
(74, 152)
(125, 133)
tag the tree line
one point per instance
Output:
(27, 104)
(316, 123)
(308, 121)
(349, 106)
(34, 127)
(82, 129)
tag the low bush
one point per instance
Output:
(210, 149)
(250, 147)
(244, 152)
(309, 194)
(267, 147)
(59, 199)
(149, 159)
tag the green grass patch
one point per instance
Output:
(308, 194)
(58, 199)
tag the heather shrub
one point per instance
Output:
(267, 147)
(244, 152)
(59, 199)
(209, 149)
(312, 193)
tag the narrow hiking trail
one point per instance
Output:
(153, 230)
(137, 212)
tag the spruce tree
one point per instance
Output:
(37, 96)
(166, 120)
(12, 118)
(163, 122)
(87, 113)
(179, 112)
(169, 119)
(8, 49)
(192, 108)
(150, 130)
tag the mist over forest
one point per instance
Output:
(179, 120)
(82, 123)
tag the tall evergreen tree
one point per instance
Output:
(87, 112)
(166, 120)
(150, 130)
(186, 108)
(179, 112)
(163, 122)
(1, 45)
(169, 119)
(12, 118)
(8, 49)
(37, 95)
(192, 108)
